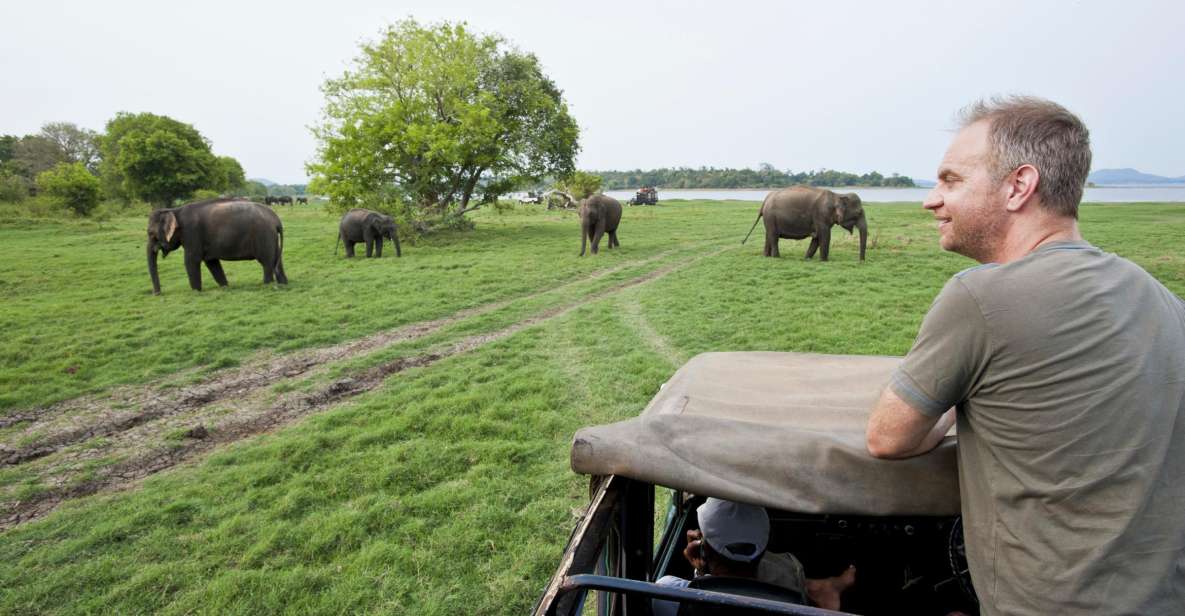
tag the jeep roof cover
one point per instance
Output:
(783, 430)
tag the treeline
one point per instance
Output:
(764, 177)
(138, 158)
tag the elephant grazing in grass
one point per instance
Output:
(803, 211)
(359, 225)
(599, 214)
(214, 230)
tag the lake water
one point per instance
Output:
(1108, 194)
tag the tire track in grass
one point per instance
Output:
(631, 310)
(157, 402)
(265, 416)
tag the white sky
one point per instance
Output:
(854, 86)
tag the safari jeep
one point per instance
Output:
(781, 430)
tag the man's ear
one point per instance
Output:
(1022, 186)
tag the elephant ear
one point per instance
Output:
(170, 223)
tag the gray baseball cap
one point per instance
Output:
(737, 531)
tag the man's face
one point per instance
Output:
(968, 201)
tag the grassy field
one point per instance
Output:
(391, 436)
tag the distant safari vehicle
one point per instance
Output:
(780, 430)
(647, 195)
(531, 197)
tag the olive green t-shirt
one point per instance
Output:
(1067, 368)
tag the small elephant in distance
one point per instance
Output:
(214, 230)
(599, 214)
(804, 211)
(359, 225)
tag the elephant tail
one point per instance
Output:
(754, 225)
(279, 247)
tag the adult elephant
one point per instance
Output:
(359, 225)
(803, 211)
(599, 214)
(216, 230)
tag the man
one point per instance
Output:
(1065, 368)
(731, 541)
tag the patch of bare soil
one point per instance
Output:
(175, 426)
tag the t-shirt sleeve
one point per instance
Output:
(947, 359)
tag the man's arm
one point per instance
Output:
(897, 430)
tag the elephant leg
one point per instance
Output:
(378, 248)
(281, 277)
(810, 250)
(349, 249)
(193, 268)
(269, 269)
(600, 232)
(215, 267)
(824, 244)
(368, 237)
(613, 243)
(771, 242)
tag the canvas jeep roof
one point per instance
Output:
(783, 430)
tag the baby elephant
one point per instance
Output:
(599, 215)
(360, 225)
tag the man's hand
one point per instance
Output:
(897, 430)
(693, 552)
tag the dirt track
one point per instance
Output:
(149, 429)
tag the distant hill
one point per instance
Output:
(263, 181)
(1105, 177)
(924, 183)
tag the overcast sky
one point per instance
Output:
(854, 86)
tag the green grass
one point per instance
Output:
(447, 489)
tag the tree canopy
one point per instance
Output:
(430, 119)
(159, 160)
(766, 176)
(79, 145)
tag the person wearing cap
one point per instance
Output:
(731, 541)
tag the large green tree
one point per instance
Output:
(160, 160)
(437, 120)
(230, 175)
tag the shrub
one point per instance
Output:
(71, 184)
(581, 184)
(13, 187)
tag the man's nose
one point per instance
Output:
(933, 199)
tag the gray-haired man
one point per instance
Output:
(1065, 366)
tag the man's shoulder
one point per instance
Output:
(1065, 262)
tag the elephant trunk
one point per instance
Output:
(152, 267)
(862, 225)
(583, 235)
(395, 238)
